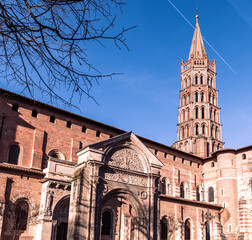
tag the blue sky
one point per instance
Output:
(145, 97)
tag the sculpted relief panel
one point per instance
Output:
(126, 158)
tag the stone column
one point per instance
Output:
(2, 207)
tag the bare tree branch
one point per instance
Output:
(43, 43)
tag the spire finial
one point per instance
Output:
(197, 14)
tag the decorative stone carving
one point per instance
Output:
(126, 158)
(125, 178)
(49, 202)
(143, 195)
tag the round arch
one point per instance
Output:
(141, 156)
(60, 215)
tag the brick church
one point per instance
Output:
(64, 176)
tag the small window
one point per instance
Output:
(21, 215)
(156, 151)
(198, 193)
(165, 155)
(182, 190)
(98, 133)
(15, 107)
(69, 124)
(13, 154)
(81, 145)
(244, 156)
(222, 191)
(201, 79)
(198, 165)
(212, 164)
(174, 158)
(196, 130)
(84, 129)
(34, 113)
(52, 119)
(183, 160)
(210, 194)
(106, 223)
(230, 227)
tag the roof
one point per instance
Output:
(197, 46)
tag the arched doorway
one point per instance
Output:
(118, 220)
(60, 218)
(164, 229)
(187, 229)
(128, 216)
(207, 231)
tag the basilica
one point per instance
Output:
(66, 177)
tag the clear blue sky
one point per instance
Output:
(146, 97)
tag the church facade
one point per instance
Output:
(64, 176)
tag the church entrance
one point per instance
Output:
(187, 230)
(117, 220)
(60, 220)
(207, 231)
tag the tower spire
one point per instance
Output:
(197, 47)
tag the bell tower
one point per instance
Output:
(199, 128)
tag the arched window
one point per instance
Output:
(216, 133)
(212, 164)
(210, 194)
(198, 193)
(164, 230)
(184, 100)
(202, 96)
(209, 97)
(183, 133)
(188, 113)
(187, 230)
(203, 129)
(55, 153)
(201, 79)
(213, 146)
(196, 113)
(196, 97)
(183, 116)
(185, 85)
(211, 110)
(187, 131)
(188, 98)
(214, 115)
(213, 99)
(106, 223)
(243, 156)
(196, 79)
(212, 131)
(13, 154)
(203, 113)
(182, 190)
(21, 215)
(196, 129)
(163, 186)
